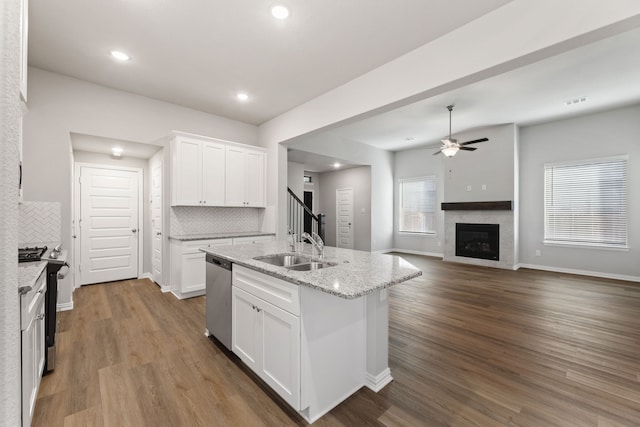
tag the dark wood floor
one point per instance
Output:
(469, 346)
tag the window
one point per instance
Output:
(585, 202)
(418, 205)
(307, 179)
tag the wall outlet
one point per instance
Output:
(468, 188)
(484, 186)
(537, 252)
(439, 244)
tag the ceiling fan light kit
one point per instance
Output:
(451, 146)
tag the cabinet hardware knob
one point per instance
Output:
(134, 230)
(158, 233)
(259, 309)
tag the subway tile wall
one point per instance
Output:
(186, 220)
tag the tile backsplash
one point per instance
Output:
(39, 222)
(186, 220)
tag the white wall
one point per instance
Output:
(129, 162)
(591, 136)
(9, 141)
(358, 179)
(60, 105)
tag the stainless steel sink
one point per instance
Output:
(283, 260)
(308, 266)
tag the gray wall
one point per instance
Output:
(359, 179)
(493, 164)
(381, 163)
(130, 162)
(61, 105)
(603, 134)
(412, 164)
(295, 178)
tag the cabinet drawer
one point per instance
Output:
(30, 302)
(193, 246)
(282, 294)
(252, 239)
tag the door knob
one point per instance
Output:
(134, 230)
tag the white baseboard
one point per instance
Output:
(412, 252)
(65, 306)
(378, 382)
(381, 251)
(147, 276)
(581, 272)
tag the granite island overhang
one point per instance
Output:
(315, 337)
(355, 274)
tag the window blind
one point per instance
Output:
(586, 202)
(418, 205)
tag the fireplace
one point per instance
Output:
(478, 241)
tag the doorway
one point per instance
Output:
(308, 202)
(109, 208)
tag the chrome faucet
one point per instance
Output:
(316, 241)
(293, 240)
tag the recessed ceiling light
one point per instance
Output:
(336, 165)
(117, 151)
(119, 55)
(280, 12)
(242, 96)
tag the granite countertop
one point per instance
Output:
(225, 235)
(28, 272)
(357, 273)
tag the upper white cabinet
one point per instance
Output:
(210, 172)
(24, 43)
(245, 178)
(197, 172)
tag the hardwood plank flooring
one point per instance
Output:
(469, 346)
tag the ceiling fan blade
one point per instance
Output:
(468, 148)
(475, 141)
(437, 152)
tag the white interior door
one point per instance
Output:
(109, 223)
(156, 217)
(344, 218)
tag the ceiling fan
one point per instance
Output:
(451, 146)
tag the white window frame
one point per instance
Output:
(568, 225)
(401, 226)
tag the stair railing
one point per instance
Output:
(295, 217)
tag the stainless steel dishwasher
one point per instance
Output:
(218, 302)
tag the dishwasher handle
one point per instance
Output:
(223, 263)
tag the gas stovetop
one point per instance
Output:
(31, 254)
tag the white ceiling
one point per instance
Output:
(99, 144)
(607, 72)
(317, 162)
(199, 54)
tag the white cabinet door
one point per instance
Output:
(281, 352)
(256, 182)
(267, 339)
(193, 272)
(32, 362)
(245, 328)
(213, 174)
(186, 172)
(236, 176)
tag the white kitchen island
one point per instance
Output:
(317, 336)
